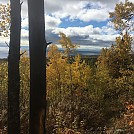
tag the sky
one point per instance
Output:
(86, 22)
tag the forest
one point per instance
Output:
(61, 93)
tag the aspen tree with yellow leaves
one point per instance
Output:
(66, 81)
(123, 16)
(5, 19)
(67, 44)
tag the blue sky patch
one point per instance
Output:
(78, 23)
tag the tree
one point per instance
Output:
(67, 44)
(123, 16)
(114, 65)
(4, 19)
(37, 44)
(116, 62)
(65, 89)
(13, 69)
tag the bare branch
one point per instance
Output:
(21, 3)
(7, 44)
(48, 43)
(23, 53)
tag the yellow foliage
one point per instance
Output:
(4, 19)
(123, 16)
(67, 44)
(61, 74)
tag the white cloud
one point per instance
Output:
(24, 42)
(74, 9)
(51, 22)
(93, 14)
(24, 33)
(77, 9)
(89, 33)
(108, 30)
(4, 1)
(70, 8)
(75, 31)
(58, 5)
(103, 37)
(24, 37)
(87, 30)
(3, 40)
(80, 11)
(62, 5)
(24, 11)
(24, 23)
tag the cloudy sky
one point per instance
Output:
(86, 22)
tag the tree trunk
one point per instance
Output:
(13, 69)
(37, 46)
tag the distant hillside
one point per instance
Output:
(88, 58)
(3, 60)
